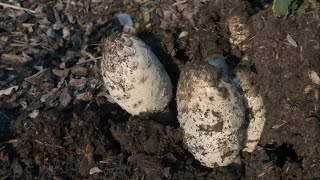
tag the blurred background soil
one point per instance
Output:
(58, 122)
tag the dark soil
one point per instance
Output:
(58, 123)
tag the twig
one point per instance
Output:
(89, 60)
(99, 44)
(49, 145)
(17, 7)
(12, 142)
(12, 57)
(4, 115)
(35, 75)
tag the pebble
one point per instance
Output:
(65, 97)
(79, 71)
(79, 84)
(61, 73)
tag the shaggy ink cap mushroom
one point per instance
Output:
(211, 112)
(133, 75)
(212, 102)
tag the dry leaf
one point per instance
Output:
(277, 126)
(183, 34)
(314, 77)
(307, 89)
(87, 162)
(86, 96)
(34, 114)
(94, 170)
(8, 90)
(291, 41)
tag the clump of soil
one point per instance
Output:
(57, 120)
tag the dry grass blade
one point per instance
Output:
(13, 58)
(13, 142)
(89, 60)
(17, 8)
(49, 145)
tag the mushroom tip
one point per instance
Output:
(124, 19)
(127, 23)
(219, 62)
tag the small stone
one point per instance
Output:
(48, 99)
(65, 33)
(65, 97)
(166, 172)
(79, 71)
(23, 18)
(79, 84)
(51, 33)
(44, 98)
(148, 26)
(96, 1)
(136, 25)
(94, 170)
(24, 104)
(86, 96)
(34, 114)
(61, 73)
(62, 65)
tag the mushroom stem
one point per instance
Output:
(257, 111)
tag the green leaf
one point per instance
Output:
(281, 7)
(311, 1)
(301, 10)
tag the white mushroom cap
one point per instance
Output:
(134, 76)
(211, 113)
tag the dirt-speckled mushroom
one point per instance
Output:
(238, 29)
(211, 112)
(212, 105)
(133, 75)
(255, 105)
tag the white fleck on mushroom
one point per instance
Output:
(212, 112)
(133, 75)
